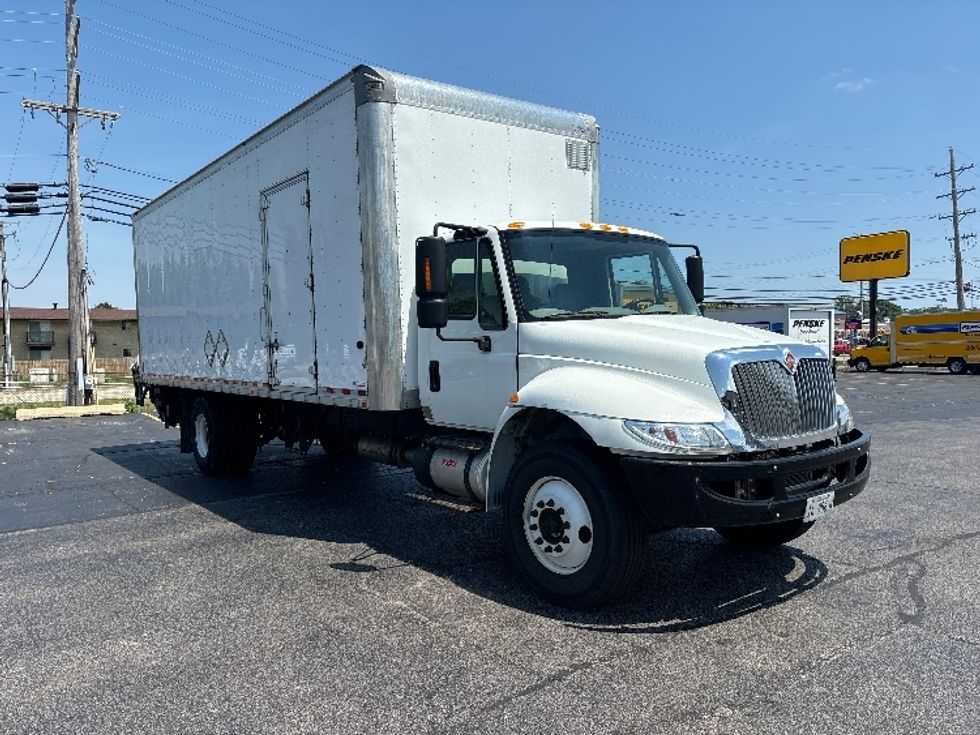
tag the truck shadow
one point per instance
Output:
(692, 579)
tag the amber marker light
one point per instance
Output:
(515, 225)
(585, 225)
(427, 273)
(513, 398)
(605, 228)
(623, 229)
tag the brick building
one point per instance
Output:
(42, 334)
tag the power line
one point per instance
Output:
(61, 224)
(129, 170)
(214, 42)
(207, 63)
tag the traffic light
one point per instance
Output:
(21, 199)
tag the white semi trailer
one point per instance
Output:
(416, 273)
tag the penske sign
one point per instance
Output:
(870, 257)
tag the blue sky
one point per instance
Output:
(765, 131)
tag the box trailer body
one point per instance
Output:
(948, 339)
(812, 325)
(415, 273)
(303, 236)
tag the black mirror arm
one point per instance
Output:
(483, 342)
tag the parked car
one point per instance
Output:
(841, 347)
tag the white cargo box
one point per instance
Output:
(286, 267)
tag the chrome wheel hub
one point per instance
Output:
(557, 525)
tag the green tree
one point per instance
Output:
(886, 309)
(103, 305)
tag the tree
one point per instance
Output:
(886, 309)
(103, 305)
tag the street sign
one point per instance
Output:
(870, 257)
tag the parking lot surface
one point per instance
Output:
(334, 596)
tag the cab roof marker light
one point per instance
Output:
(586, 225)
(515, 225)
(623, 229)
(605, 228)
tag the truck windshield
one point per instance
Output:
(567, 274)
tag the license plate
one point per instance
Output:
(818, 506)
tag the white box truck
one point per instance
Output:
(416, 273)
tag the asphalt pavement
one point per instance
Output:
(334, 596)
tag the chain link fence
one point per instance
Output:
(38, 383)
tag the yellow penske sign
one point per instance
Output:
(870, 257)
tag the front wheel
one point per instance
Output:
(765, 536)
(862, 365)
(569, 528)
(957, 366)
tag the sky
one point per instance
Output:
(765, 131)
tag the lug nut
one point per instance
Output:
(550, 503)
(548, 549)
(539, 540)
(533, 526)
(558, 549)
(534, 514)
(566, 525)
(561, 511)
(540, 503)
(564, 539)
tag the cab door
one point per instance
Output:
(460, 383)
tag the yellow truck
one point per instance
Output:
(949, 338)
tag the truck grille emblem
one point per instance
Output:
(790, 362)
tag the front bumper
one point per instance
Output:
(685, 493)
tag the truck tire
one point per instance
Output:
(956, 365)
(214, 440)
(765, 536)
(862, 365)
(569, 528)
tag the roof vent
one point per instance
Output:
(54, 305)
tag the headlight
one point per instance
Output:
(845, 422)
(678, 438)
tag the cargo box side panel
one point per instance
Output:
(463, 169)
(201, 266)
(336, 236)
(199, 281)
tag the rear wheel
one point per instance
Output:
(225, 437)
(862, 364)
(569, 528)
(765, 536)
(956, 365)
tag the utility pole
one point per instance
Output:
(8, 354)
(78, 317)
(956, 216)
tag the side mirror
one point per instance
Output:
(431, 283)
(695, 276)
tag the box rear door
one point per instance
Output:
(289, 291)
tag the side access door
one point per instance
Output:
(289, 288)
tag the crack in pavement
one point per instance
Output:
(917, 571)
(898, 561)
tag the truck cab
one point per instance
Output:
(581, 348)
(877, 355)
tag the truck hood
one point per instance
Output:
(650, 368)
(671, 345)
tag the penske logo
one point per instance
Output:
(873, 257)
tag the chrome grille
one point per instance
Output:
(773, 404)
